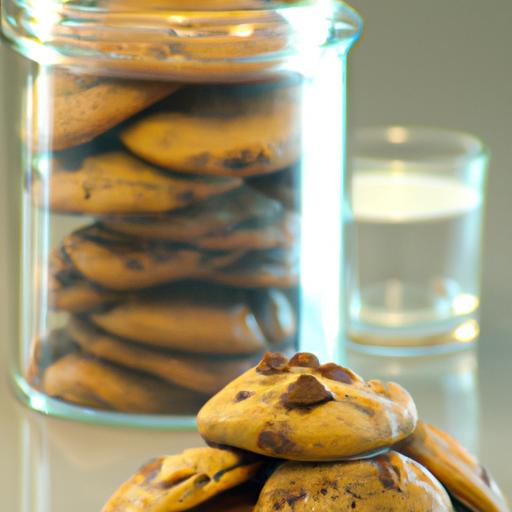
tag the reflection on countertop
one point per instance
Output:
(444, 387)
(98, 459)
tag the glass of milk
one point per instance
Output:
(414, 233)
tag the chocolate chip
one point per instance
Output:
(243, 395)
(292, 498)
(186, 196)
(272, 362)
(87, 191)
(276, 442)
(201, 481)
(304, 392)
(134, 264)
(338, 373)
(241, 161)
(262, 158)
(245, 159)
(160, 255)
(305, 360)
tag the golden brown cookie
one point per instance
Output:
(45, 351)
(387, 483)
(260, 269)
(86, 381)
(227, 131)
(266, 409)
(221, 223)
(117, 182)
(202, 319)
(83, 106)
(218, 214)
(457, 469)
(192, 46)
(199, 373)
(120, 262)
(78, 296)
(206, 5)
(69, 292)
(250, 236)
(255, 236)
(180, 482)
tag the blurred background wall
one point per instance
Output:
(445, 63)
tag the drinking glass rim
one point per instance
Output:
(470, 146)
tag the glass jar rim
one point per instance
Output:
(56, 31)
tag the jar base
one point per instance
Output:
(46, 405)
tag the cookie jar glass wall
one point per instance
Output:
(176, 180)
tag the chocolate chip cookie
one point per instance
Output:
(202, 319)
(458, 470)
(69, 292)
(86, 381)
(200, 373)
(187, 50)
(181, 482)
(44, 351)
(116, 182)
(83, 106)
(260, 269)
(265, 411)
(254, 234)
(119, 262)
(216, 215)
(222, 5)
(389, 482)
(231, 131)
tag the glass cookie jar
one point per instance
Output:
(176, 180)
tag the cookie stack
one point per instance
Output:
(295, 435)
(184, 270)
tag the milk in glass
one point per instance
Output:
(414, 278)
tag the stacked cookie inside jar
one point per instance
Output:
(175, 220)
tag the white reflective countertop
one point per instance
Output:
(51, 465)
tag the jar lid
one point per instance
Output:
(220, 39)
